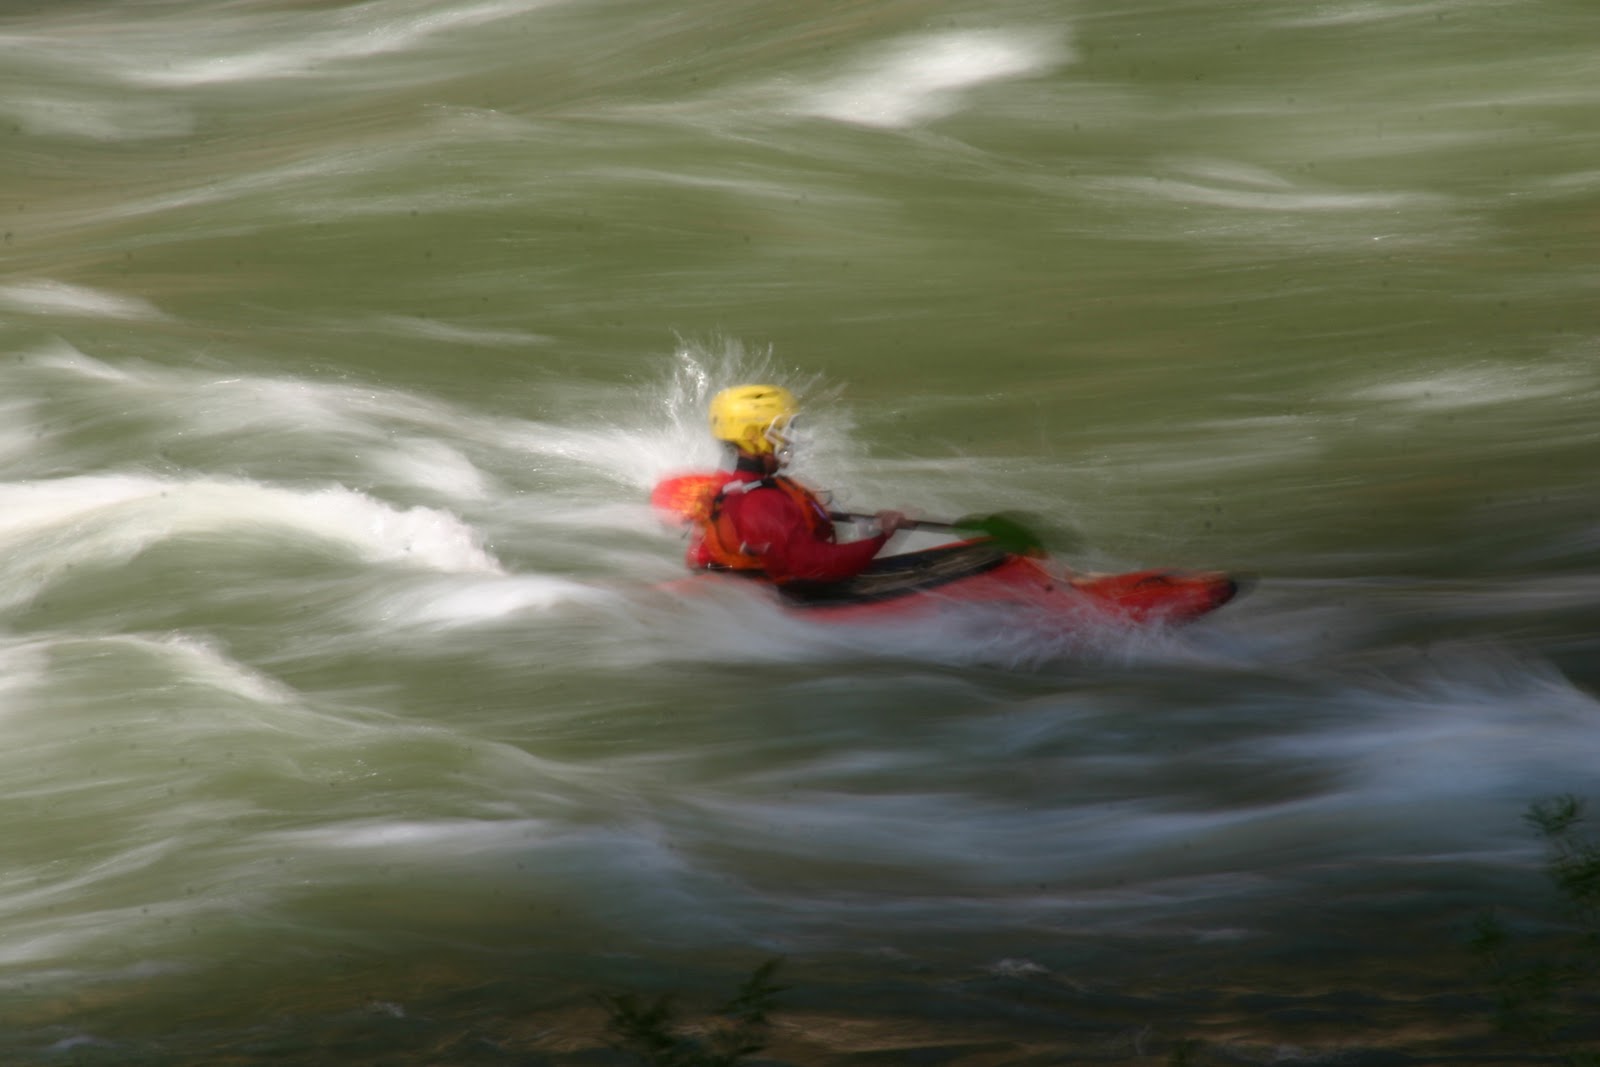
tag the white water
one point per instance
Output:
(348, 709)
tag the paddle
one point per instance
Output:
(687, 498)
(1005, 529)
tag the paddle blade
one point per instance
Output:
(1008, 530)
(687, 497)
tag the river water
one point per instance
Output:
(346, 720)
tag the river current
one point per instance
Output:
(350, 714)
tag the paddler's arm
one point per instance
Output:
(774, 526)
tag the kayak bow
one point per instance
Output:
(977, 574)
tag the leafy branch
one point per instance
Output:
(1540, 998)
(654, 1031)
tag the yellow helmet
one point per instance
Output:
(753, 418)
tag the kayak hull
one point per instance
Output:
(977, 575)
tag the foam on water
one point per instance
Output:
(46, 297)
(667, 431)
(424, 841)
(918, 79)
(451, 333)
(434, 465)
(1480, 385)
(301, 45)
(50, 527)
(403, 435)
(1472, 725)
(1359, 12)
(479, 600)
(289, 188)
(1257, 199)
(596, 475)
(201, 662)
(1433, 777)
(98, 118)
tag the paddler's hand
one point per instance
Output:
(889, 522)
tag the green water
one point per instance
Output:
(347, 719)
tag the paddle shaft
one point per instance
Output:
(1005, 531)
(909, 524)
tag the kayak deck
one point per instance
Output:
(888, 577)
(978, 573)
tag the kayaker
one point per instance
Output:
(765, 522)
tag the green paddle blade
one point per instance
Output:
(1009, 530)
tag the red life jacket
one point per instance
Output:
(719, 544)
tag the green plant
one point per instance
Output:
(1541, 995)
(654, 1031)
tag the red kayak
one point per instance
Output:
(976, 573)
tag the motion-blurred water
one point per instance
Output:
(345, 716)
